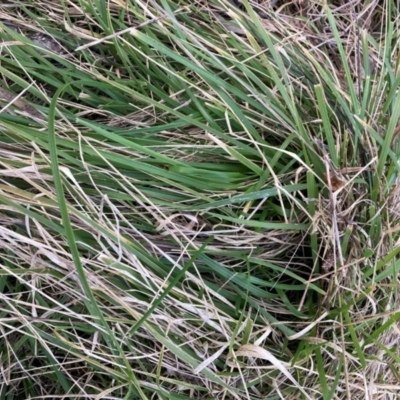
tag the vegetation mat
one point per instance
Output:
(199, 199)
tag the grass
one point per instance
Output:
(198, 203)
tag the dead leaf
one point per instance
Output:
(335, 182)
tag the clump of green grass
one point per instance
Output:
(204, 203)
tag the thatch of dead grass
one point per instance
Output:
(199, 200)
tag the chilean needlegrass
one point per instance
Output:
(202, 203)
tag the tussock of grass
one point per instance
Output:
(167, 226)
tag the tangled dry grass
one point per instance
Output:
(199, 200)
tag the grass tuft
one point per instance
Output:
(199, 200)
